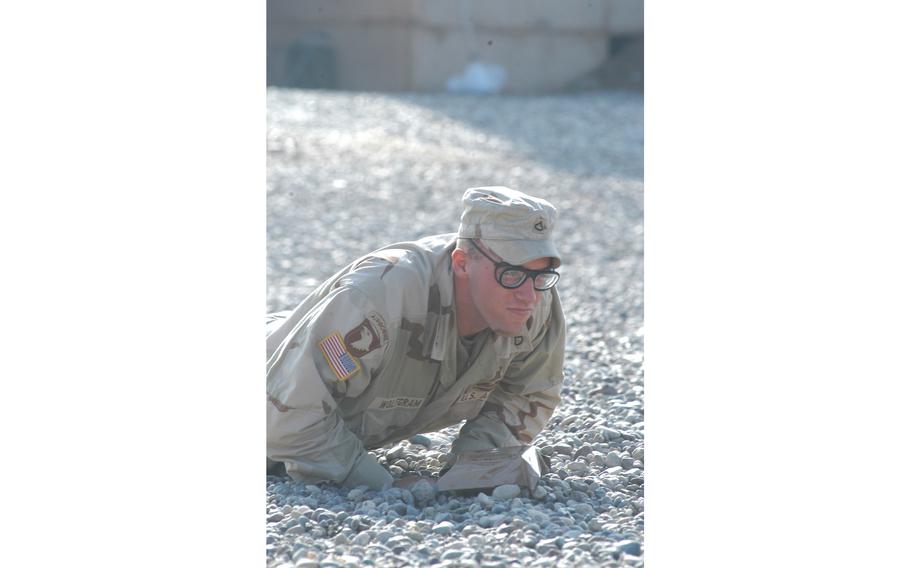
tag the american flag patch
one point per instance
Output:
(342, 363)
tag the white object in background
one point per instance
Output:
(478, 77)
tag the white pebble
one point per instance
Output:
(444, 528)
(396, 452)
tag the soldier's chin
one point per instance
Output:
(508, 332)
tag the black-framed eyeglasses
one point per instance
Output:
(511, 276)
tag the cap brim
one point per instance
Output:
(521, 251)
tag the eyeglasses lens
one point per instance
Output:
(514, 278)
(545, 281)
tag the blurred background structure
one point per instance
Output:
(509, 46)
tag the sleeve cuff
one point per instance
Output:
(367, 471)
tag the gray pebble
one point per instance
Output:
(611, 434)
(296, 529)
(613, 459)
(539, 517)
(422, 440)
(584, 509)
(490, 521)
(579, 467)
(362, 539)
(452, 554)
(399, 544)
(629, 547)
(423, 491)
(508, 491)
(583, 451)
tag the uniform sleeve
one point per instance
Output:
(524, 400)
(331, 353)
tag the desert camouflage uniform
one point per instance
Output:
(370, 358)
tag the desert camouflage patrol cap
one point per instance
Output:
(514, 225)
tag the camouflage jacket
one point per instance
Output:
(369, 358)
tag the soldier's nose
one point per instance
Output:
(526, 291)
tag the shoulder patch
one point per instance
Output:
(379, 324)
(342, 363)
(365, 338)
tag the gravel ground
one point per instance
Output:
(350, 172)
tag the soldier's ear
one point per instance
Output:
(459, 262)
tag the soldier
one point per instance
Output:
(417, 336)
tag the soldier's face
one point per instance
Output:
(505, 311)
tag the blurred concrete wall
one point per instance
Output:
(416, 45)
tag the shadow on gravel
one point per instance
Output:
(561, 130)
